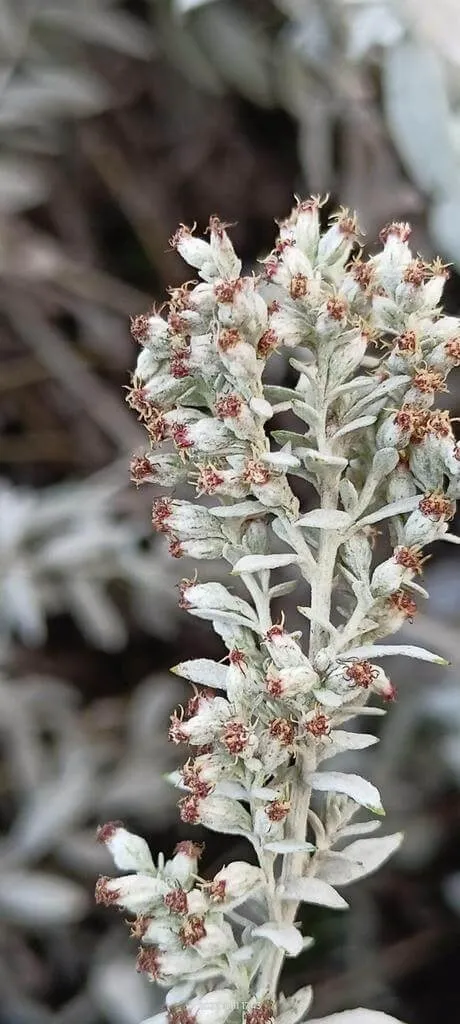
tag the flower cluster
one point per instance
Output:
(373, 351)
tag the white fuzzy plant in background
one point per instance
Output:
(64, 548)
(264, 719)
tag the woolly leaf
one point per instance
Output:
(395, 508)
(354, 786)
(203, 671)
(283, 936)
(294, 1008)
(357, 860)
(312, 890)
(392, 650)
(326, 519)
(256, 563)
(358, 1016)
(289, 846)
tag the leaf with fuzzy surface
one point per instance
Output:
(312, 890)
(257, 563)
(357, 860)
(294, 1008)
(358, 1016)
(392, 650)
(325, 519)
(354, 786)
(203, 671)
(285, 937)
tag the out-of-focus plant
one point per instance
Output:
(358, 77)
(63, 769)
(46, 79)
(73, 548)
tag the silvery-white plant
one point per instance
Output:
(374, 350)
(347, 70)
(63, 768)
(61, 549)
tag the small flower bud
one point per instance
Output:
(194, 251)
(307, 227)
(207, 723)
(335, 245)
(400, 483)
(428, 522)
(221, 814)
(284, 650)
(234, 882)
(223, 254)
(197, 549)
(184, 864)
(130, 852)
(391, 574)
(161, 934)
(136, 893)
(218, 939)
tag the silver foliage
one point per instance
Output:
(63, 549)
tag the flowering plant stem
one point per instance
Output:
(262, 720)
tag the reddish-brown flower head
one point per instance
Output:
(436, 506)
(189, 810)
(161, 511)
(225, 290)
(235, 737)
(104, 833)
(416, 273)
(402, 602)
(452, 349)
(216, 891)
(429, 381)
(283, 731)
(176, 901)
(148, 961)
(267, 343)
(228, 406)
(176, 732)
(137, 400)
(256, 473)
(181, 436)
(298, 287)
(397, 229)
(319, 725)
(362, 273)
(262, 1013)
(209, 479)
(102, 894)
(180, 1015)
(277, 810)
(361, 673)
(141, 469)
(229, 337)
(410, 558)
(192, 930)
(189, 849)
(237, 657)
(406, 342)
(140, 327)
(337, 308)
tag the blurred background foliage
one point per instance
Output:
(117, 122)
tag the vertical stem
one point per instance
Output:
(321, 584)
(296, 824)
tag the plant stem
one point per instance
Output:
(296, 825)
